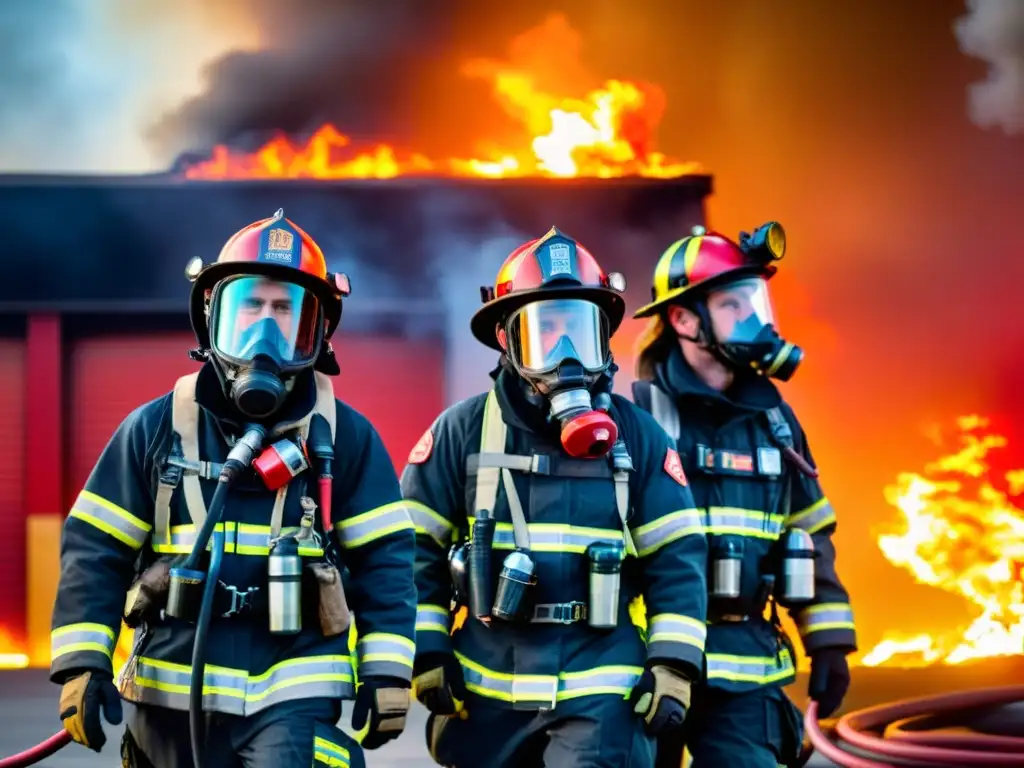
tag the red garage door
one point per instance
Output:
(398, 385)
(12, 509)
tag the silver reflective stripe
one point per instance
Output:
(676, 628)
(825, 616)
(385, 654)
(183, 538)
(749, 669)
(375, 524)
(617, 680)
(651, 537)
(234, 692)
(79, 638)
(431, 618)
(429, 523)
(111, 519)
(733, 521)
(813, 518)
(543, 691)
(554, 537)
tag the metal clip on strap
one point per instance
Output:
(560, 613)
(237, 600)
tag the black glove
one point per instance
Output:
(830, 679)
(438, 684)
(661, 696)
(81, 699)
(380, 709)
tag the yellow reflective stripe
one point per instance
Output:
(677, 628)
(547, 689)
(652, 536)
(78, 638)
(236, 692)
(382, 653)
(330, 754)
(375, 524)
(815, 517)
(552, 537)
(427, 522)
(825, 616)
(111, 519)
(734, 521)
(239, 539)
(749, 669)
(432, 618)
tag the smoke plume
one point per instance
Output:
(343, 61)
(993, 30)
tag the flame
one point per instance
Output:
(961, 533)
(12, 654)
(606, 132)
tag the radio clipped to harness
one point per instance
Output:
(513, 596)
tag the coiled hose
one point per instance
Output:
(906, 738)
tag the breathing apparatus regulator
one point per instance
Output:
(726, 284)
(552, 311)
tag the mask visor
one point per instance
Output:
(739, 310)
(544, 334)
(253, 316)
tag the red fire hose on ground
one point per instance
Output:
(905, 740)
(39, 752)
(903, 733)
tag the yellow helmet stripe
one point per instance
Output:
(663, 271)
(690, 255)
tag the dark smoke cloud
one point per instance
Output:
(993, 30)
(350, 62)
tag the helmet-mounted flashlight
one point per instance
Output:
(767, 243)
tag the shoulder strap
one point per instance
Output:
(665, 412)
(185, 424)
(778, 427)
(782, 435)
(493, 435)
(642, 394)
(326, 404)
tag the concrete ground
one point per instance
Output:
(28, 715)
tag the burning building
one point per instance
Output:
(94, 300)
(94, 318)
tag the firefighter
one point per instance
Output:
(704, 368)
(278, 660)
(549, 504)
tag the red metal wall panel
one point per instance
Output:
(397, 384)
(12, 508)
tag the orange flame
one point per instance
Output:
(605, 133)
(961, 534)
(12, 654)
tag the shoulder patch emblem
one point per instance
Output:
(422, 450)
(674, 467)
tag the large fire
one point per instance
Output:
(607, 132)
(960, 532)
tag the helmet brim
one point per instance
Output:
(494, 312)
(330, 300)
(702, 287)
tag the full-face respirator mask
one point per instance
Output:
(560, 346)
(262, 333)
